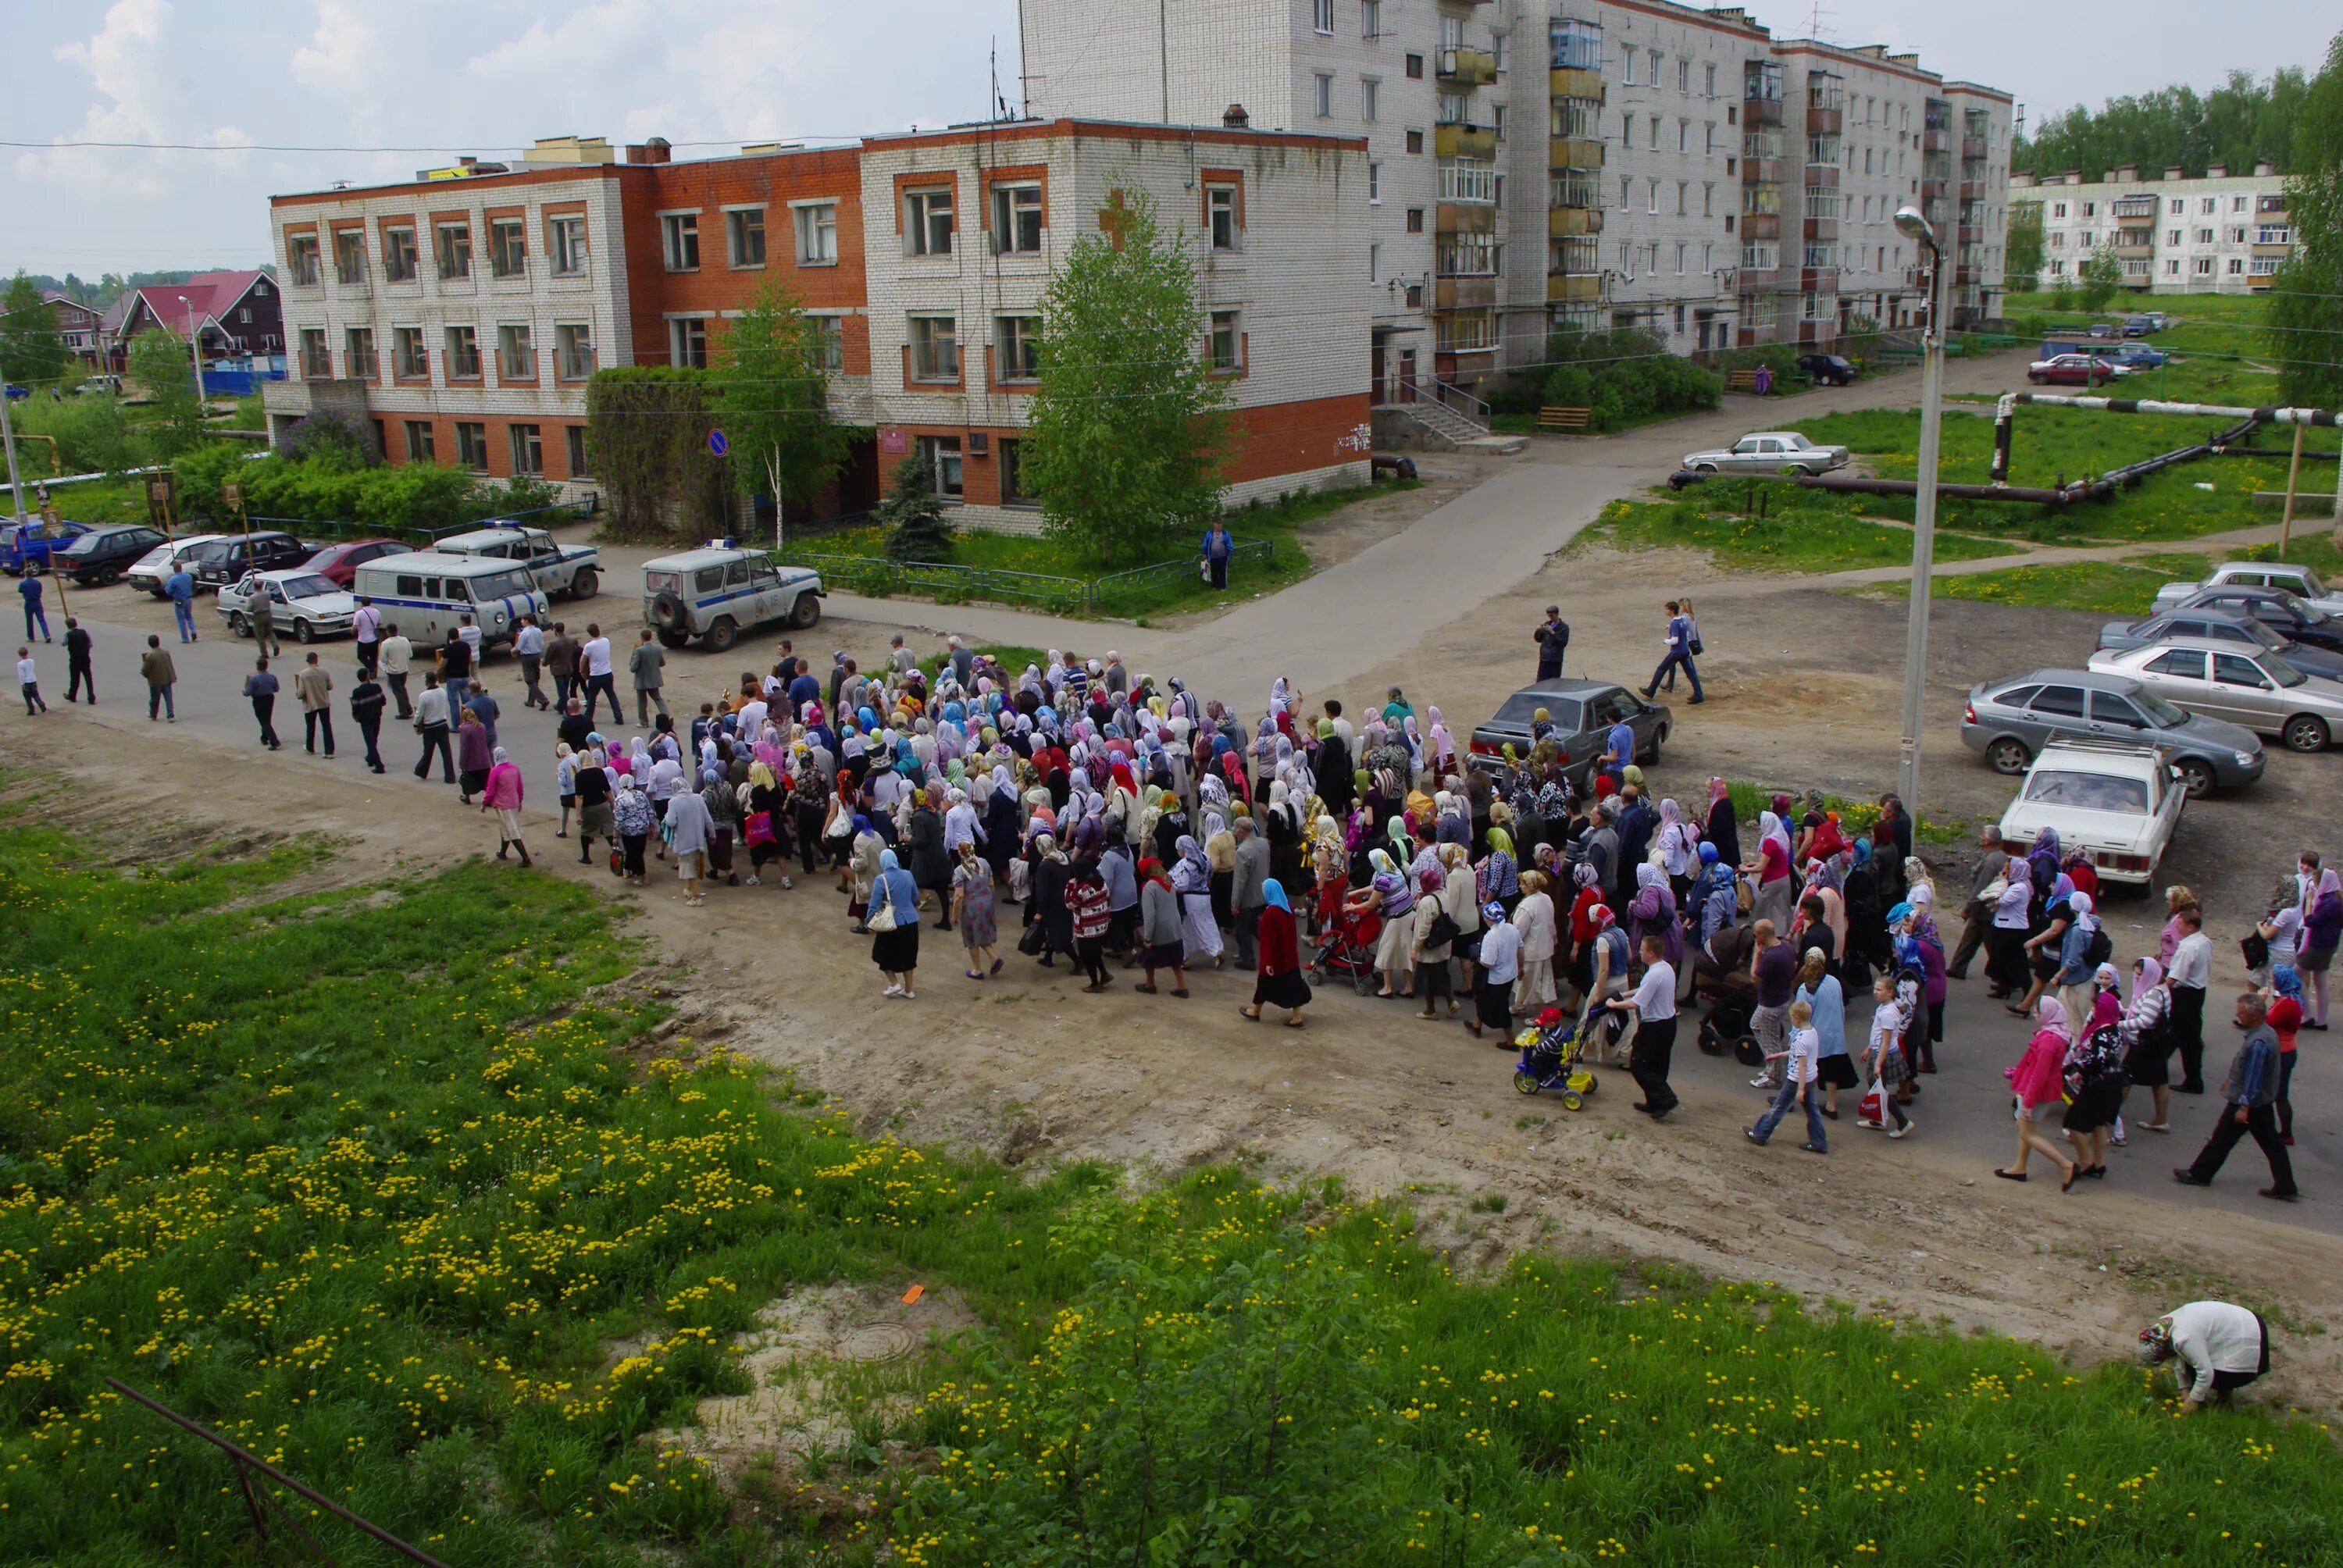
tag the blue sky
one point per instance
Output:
(487, 76)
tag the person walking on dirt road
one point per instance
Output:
(154, 667)
(2248, 1105)
(260, 686)
(1553, 639)
(1679, 654)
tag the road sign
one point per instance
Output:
(717, 445)
(232, 493)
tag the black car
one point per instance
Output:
(1581, 713)
(2296, 619)
(2231, 625)
(102, 555)
(1827, 369)
(261, 552)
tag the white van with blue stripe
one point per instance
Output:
(427, 595)
(721, 591)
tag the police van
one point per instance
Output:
(427, 595)
(718, 592)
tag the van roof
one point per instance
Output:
(495, 533)
(446, 566)
(691, 560)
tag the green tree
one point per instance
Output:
(2306, 302)
(33, 352)
(2023, 268)
(770, 388)
(1130, 426)
(2101, 276)
(159, 364)
(917, 528)
(2238, 123)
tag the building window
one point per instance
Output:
(576, 436)
(398, 253)
(826, 342)
(1415, 67)
(406, 361)
(1227, 343)
(463, 354)
(1683, 84)
(2237, 266)
(942, 455)
(1416, 141)
(349, 257)
(1370, 98)
(516, 355)
(2204, 267)
(679, 241)
(1375, 261)
(1223, 218)
(1497, 119)
(687, 343)
(816, 225)
(1321, 15)
(935, 348)
(744, 237)
(1013, 492)
(454, 244)
(508, 246)
(1683, 136)
(1627, 64)
(1416, 220)
(1656, 58)
(472, 445)
(1017, 219)
(301, 257)
(1324, 90)
(1020, 349)
(1375, 184)
(419, 448)
(573, 352)
(928, 227)
(565, 242)
(316, 364)
(2179, 207)
(527, 450)
(2212, 206)
(357, 346)
(1370, 18)
(1651, 195)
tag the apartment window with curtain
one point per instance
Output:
(358, 344)
(935, 348)
(1020, 348)
(942, 454)
(316, 361)
(816, 225)
(406, 360)
(349, 257)
(565, 242)
(573, 351)
(301, 258)
(1222, 216)
(1227, 343)
(528, 448)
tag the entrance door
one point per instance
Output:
(1375, 390)
(1407, 375)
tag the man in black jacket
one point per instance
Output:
(367, 702)
(77, 661)
(1552, 640)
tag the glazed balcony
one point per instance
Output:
(1760, 226)
(1463, 217)
(1971, 146)
(1758, 279)
(1574, 287)
(1564, 82)
(1761, 111)
(1823, 122)
(1575, 152)
(1467, 68)
(1822, 230)
(1821, 333)
(1464, 140)
(1464, 293)
(1761, 171)
(1936, 141)
(1822, 176)
(1563, 222)
(1818, 279)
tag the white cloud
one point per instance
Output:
(609, 33)
(343, 52)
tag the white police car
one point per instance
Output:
(718, 592)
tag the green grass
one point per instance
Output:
(1802, 531)
(2104, 587)
(2220, 355)
(374, 1179)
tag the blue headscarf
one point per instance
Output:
(1274, 890)
(2285, 981)
(1707, 853)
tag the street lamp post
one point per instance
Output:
(1912, 226)
(195, 350)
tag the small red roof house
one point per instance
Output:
(236, 313)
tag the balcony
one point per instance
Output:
(1575, 152)
(1971, 146)
(1934, 141)
(1574, 287)
(1822, 176)
(1761, 171)
(1934, 190)
(1562, 221)
(1761, 111)
(1818, 333)
(1822, 230)
(1968, 234)
(1464, 293)
(1965, 276)
(1818, 279)
(1463, 217)
(1822, 122)
(1464, 140)
(1760, 226)
(1564, 82)
(1468, 68)
(1758, 279)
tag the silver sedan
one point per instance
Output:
(2247, 685)
(1769, 452)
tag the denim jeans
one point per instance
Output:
(1781, 1108)
(185, 613)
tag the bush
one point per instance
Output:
(320, 489)
(917, 529)
(1623, 377)
(92, 436)
(328, 441)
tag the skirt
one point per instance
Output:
(2313, 960)
(1534, 991)
(1197, 928)
(979, 927)
(1893, 1067)
(1286, 989)
(897, 951)
(1836, 1070)
(1492, 1005)
(719, 850)
(2005, 959)
(2095, 1107)
(1391, 952)
(1163, 956)
(2148, 1063)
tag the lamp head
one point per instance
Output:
(1911, 225)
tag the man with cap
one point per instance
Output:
(2221, 1347)
(1552, 640)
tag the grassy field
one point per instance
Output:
(393, 1186)
(1802, 532)
(2219, 353)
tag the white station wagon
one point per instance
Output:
(2116, 801)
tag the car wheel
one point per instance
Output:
(108, 578)
(2009, 755)
(304, 632)
(2196, 777)
(2037, 380)
(237, 626)
(585, 585)
(2304, 732)
(1799, 471)
(1703, 467)
(1651, 752)
(806, 614)
(723, 635)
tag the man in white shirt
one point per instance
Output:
(528, 647)
(366, 626)
(596, 657)
(431, 715)
(1655, 1007)
(396, 654)
(2191, 973)
(752, 719)
(2219, 1346)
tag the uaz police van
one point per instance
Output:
(427, 595)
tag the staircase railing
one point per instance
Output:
(1458, 401)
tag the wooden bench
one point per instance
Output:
(1555, 418)
(1741, 381)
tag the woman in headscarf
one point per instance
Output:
(1086, 911)
(1171, 826)
(1772, 870)
(862, 870)
(501, 793)
(2284, 1015)
(1500, 965)
(1679, 847)
(1608, 958)
(1652, 912)
(596, 817)
(1332, 768)
(932, 867)
(1428, 952)
(1281, 824)
(632, 814)
(1499, 878)
(1534, 918)
(1192, 879)
(1002, 827)
(2039, 1080)
(475, 754)
(769, 842)
(723, 823)
(1160, 943)
(1051, 873)
(2075, 976)
(1394, 895)
(2095, 1077)
(1277, 977)
(974, 913)
(894, 925)
(2149, 1040)
(2322, 931)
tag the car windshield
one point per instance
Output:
(2160, 713)
(2282, 672)
(2089, 792)
(308, 587)
(513, 584)
(1522, 707)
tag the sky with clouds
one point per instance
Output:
(486, 76)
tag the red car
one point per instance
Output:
(340, 563)
(2071, 370)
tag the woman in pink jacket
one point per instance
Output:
(501, 794)
(2038, 1079)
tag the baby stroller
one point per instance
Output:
(1349, 948)
(1551, 1049)
(1732, 994)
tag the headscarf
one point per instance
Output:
(2105, 1011)
(2285, 981)
(2049, 1012)
(502, 755)
(887, 861)
(2084, 921)
(1584, 874)
(2150, 976)
(1382, 861)
(1274, 892)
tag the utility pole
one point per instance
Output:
(8, 438)
(1911, 225)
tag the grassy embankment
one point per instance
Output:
(377, 1180)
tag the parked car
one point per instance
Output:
(2158, 321)
(719, 592)
(103, 555)
(2252, 687)
(2140, 326)
(2011, 721)
(241, 553)
(2114, 801)
(1769, 452)
(2135, 356)
(574, 570)
(2219, 625)
(1827, 369)
(427, 594)
(19, 394)
(2296, 619)
(310, 604)
(110, 385)
(2302, 582)
(1581, 713)
(341, 562)
(26, 546)
(150, 571)
(2071, 370)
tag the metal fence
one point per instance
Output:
(878, 577)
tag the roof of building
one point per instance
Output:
(209, 296)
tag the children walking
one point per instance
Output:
(1884, 1056)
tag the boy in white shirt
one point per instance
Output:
(1800, 1063)
(28, 678)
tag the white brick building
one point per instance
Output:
(2220, 234)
